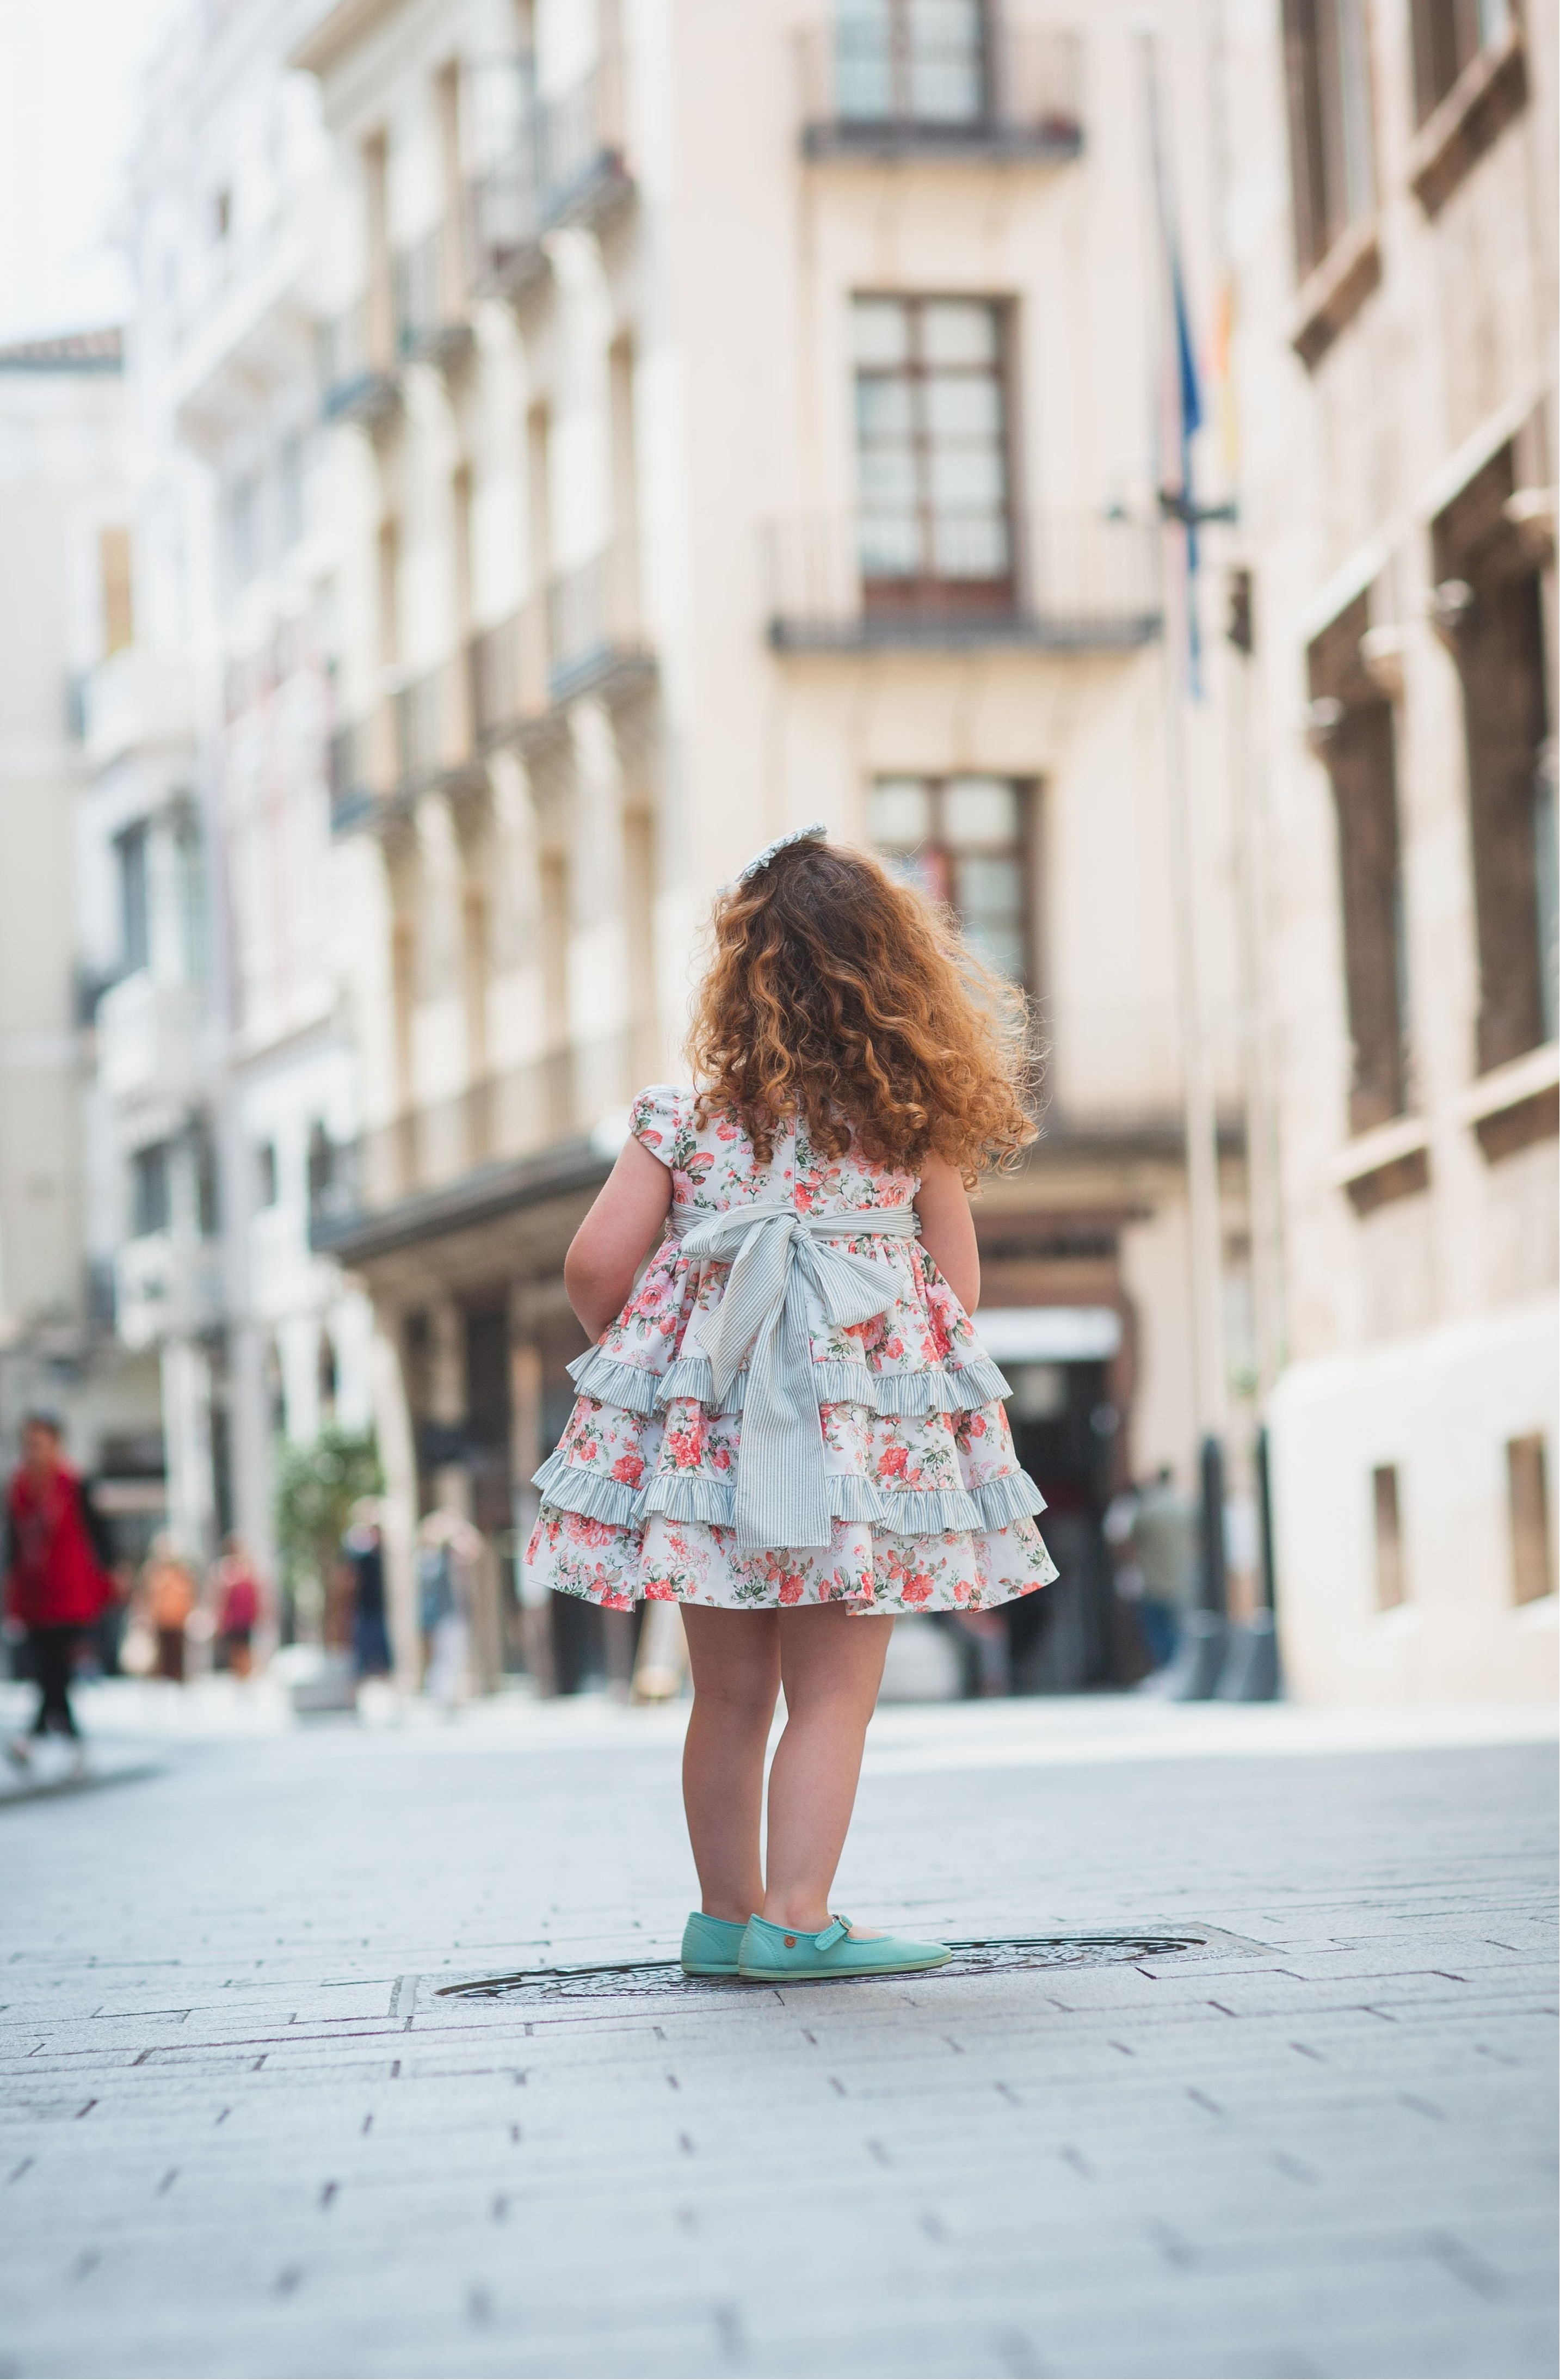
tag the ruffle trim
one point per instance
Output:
(905, 1512)
(633, 1388)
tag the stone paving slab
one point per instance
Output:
(240, 2132)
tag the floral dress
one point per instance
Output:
(931, 1511)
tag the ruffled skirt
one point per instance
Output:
(931, 1512)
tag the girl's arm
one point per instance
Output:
(616, 1237)
(948, 1230)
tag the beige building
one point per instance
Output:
(65, 607)
(743, 415)
(1396, 268)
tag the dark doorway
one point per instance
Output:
(1063, 1428)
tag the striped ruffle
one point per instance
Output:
(633, 1388)
(904, 1512)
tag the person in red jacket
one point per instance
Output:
(57, 1578)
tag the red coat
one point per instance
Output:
(55, 1579)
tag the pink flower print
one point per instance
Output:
(685, 1447)
(659, 1590)
(721, 1458)
(791, 1587)
(893, 1463)
(917, 1589)
(805, 1195)
(893, 1348)
(630, 1469)
(651, 1138)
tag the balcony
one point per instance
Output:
(878, 89)
(430, 326)
(166, 1285)
(504, 229)
(149, 1040)
(582, 176)
(584, 636)
(357, 380)
(419, 737)
(953, 582)
(554, 1101)
(134, 701)
(566, 168)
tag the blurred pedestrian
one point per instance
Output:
(1162, 1547)
(168, 1595)
(448, 1550)
(236, 1592)
(363, 1552)
(58, 1576)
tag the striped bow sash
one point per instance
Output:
(776, 1256)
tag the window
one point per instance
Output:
(134, 926)
(119, 605)
(1391, 1584)
(1355, 734)
(321, 1168)
(964, 841)
(151, 1189)
(289, 488)
(909, 61)
(208, 1203)
(1533, 1570)
(1490, 609)
(266, 1179)
(1331, 168)
(190, 897)
(243, 518)
(932, 453)
(1448, 35)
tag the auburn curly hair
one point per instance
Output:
(837, 994)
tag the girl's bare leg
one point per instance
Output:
(832, 1665)
(735, 1659)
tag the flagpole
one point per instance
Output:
(1180, 516)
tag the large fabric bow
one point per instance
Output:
(777, 1255)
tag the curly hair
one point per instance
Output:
(837, 994)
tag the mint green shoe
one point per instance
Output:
(770, 1955)
(710, 1945)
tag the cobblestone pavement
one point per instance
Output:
(240, 2132)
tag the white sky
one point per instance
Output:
(70, 91)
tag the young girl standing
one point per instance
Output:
(789, 1427)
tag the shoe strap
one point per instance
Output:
(837, 1930)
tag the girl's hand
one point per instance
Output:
(616, 1237)
(948, 1230)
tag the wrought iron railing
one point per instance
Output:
(1075, 582)
(518, 1112)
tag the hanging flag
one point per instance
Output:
(1181, 414)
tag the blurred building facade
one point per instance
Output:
(729, 410)
(1393, 210)
(65, 612)
(225, 1077)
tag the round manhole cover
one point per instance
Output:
(653, 1978)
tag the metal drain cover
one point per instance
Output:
(657, 1978)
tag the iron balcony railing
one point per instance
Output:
(1068, 582)
(882, 84)
(511, 1113)
(427, 284)
(583, 635)
(357, 381)
(567, 167)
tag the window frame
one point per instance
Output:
(904, 59)
(925, 590)
(1322, 165)
(1021, 852)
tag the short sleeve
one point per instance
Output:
(658, 1117)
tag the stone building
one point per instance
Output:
(227, 1077)
(1393, 215)
(742, 415)
(64, 608)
